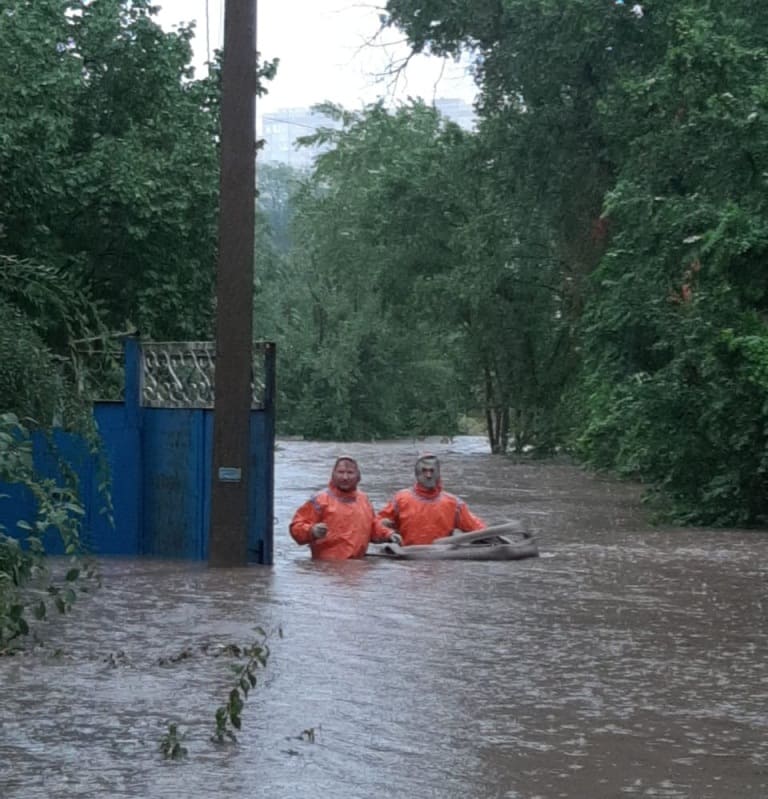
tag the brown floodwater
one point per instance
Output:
(626, 661)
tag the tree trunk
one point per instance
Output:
(496, 417)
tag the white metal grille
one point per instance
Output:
(180, 374)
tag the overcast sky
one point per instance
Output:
(324, 53)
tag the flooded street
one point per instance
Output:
(626, 661)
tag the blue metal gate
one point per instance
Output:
(158, 446)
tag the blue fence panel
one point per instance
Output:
(174, 480)
(261, 487)
(122, 451)
(66, 460)
(160, 463)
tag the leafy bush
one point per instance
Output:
(28, 587)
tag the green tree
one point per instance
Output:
(109, 163)
(277, 185)
(545, 161)
(627, 146)
(361, 353)
(107, 193)
(676, 378)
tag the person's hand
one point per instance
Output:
(388, 523)
(395, 538)
(319, 530)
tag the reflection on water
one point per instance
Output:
(625, 661)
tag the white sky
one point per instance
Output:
(323, 52)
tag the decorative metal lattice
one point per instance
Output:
(180, 374)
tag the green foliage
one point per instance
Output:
(28, 587)
(108, 182)
(229, 715)
(55, 353)
(535, 181)
(171, 744)
(277, 184)
(626, 164)
(676, 329)
(362, 352)
(108, 168)
(30, 383)
(415, 296)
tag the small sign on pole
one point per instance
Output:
(230, 474)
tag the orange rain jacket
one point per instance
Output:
(423, 514)
(350, 519)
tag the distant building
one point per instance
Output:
(457, 111)
(282, 127)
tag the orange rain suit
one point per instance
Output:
(423, 514)
(350, 519)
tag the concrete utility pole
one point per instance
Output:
(228, 542)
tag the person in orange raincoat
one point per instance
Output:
(339, 522)
(425, 512)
